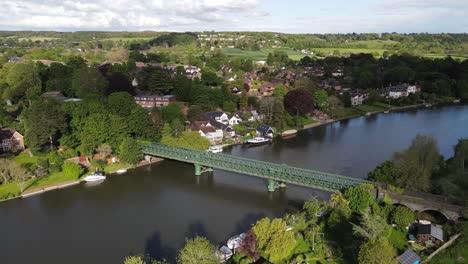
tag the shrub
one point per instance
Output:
(402, 216)
(72, 170)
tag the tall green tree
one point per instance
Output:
(121, 103)
(377, 252)
(273, 239)
(359, 197)
(197, 251)
(416, 165)
(23, 82)
(44, 122)
(372, 227)
(130, 151)
(321, 100)
(88, 81)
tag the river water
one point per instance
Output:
(152, 210)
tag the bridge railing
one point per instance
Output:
(262, 169)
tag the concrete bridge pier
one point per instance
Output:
(199, 169)
(272, 185)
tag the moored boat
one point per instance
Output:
(258, 141)
(235, 241)
(95, 176)
(289, 133)
(121, 171)
(456, 101)
(386, 111)
(215, 149)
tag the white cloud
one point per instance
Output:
(120, 14)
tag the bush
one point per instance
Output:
(402, 217)
(72, 170)
(43, 162)
(98, 164)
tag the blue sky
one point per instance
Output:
(293, 16)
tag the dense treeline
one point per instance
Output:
(422, 168)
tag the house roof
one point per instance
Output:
(430, 229)
(221, 126)
(409, 257)
(264, 129)
(214, 115)
(7, 133)
(203, 126)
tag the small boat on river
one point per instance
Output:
(215, 149)
(95, 176)
(289, 133)
(258, 141)
(235, 241)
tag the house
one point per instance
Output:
(428, 233)
(251, 113)
(11, 140)
(151, 101)
(358, 98)
(223, 118)
(409, 257)
(260, 63)
(264, 131)
(401, 90)
(207, 130)
(227, 129)
(267, 89)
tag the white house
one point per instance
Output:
(358, 98)
(223, 118)
(207, 131)
(401, 90)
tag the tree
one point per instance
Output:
(279, 92)
(249, 247)
(118, 82)
(19, 174)
(298, 102)
(305, 84)
(415, 165)
(171, 112)
(372, 227)
(195, 113)
(312, 207)
(402, 216)
(104, 150)
(229, 106)
(88, 81)
(188, 139)
(273, 239)
(44, 122)
(130, 151)
(244, 100)
(359, 197)
(23, 82)
(210, 78)
(377, 252)
(121, 103)
(177, 128)
(159, 82)
(197, 251)
(72, 170)
(321, 99)
(461, 90)
(384, 173)
(134, 260)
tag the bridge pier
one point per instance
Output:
(199, 169)
(272, 185)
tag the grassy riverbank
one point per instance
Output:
(12, 190)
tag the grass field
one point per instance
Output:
(125, 39)
(261, 54)
(37, 38)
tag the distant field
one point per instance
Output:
(349, 50)
(125, 39)
(37, 38)
(261, 54)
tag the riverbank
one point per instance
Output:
(57, 181)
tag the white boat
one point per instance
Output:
(121, 171)
(235, 241)
(368, 113)
(386, 111)
(428, 105)
(95, 176)
(456, 101)
(215, 149)
(258, 140)
(289, 133)
(223, 254)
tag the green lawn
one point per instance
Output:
(109, 168)
(261, 54)
(125, 39)
(50, 180)
(24, 158)
(9, 190)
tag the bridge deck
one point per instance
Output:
(267, 170)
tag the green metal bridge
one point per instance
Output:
(276, 174)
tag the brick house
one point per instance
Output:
(151, 101)
(10, 140)
(428, 233)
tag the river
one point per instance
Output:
(152, 209)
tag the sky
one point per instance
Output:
(287, 16)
